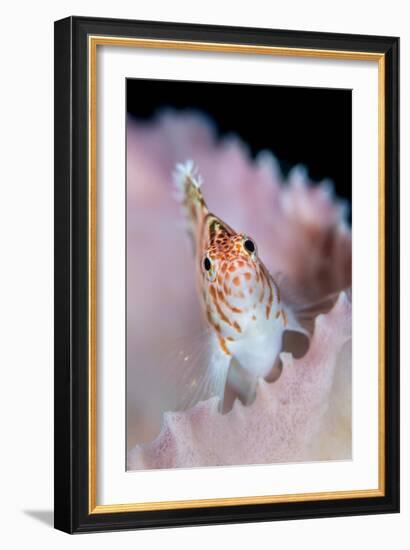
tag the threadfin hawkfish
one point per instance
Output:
(241, 300)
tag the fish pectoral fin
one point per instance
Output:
(197, 372)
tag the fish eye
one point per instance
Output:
(209, 268)
(249, 245)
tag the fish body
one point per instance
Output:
(241, 300)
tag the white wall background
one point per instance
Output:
(26, 269)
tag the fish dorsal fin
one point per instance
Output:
(188, 183)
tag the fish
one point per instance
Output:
(242, 302)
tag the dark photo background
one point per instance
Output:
(309, 126)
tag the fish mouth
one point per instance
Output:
(242, 281)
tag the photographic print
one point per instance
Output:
(238, 294)
(226, 274)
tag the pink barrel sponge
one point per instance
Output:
(301, 233)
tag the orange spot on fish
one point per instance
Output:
(253, 317)
(211, 321)
(284, 317)
(223, 346)
(247, 276)
(269, 306)
(219, 310)
(236, 281)
(237, 327)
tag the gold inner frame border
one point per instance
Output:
(93, 43)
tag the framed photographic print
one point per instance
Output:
(226, 274)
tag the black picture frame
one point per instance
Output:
(71, 488)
